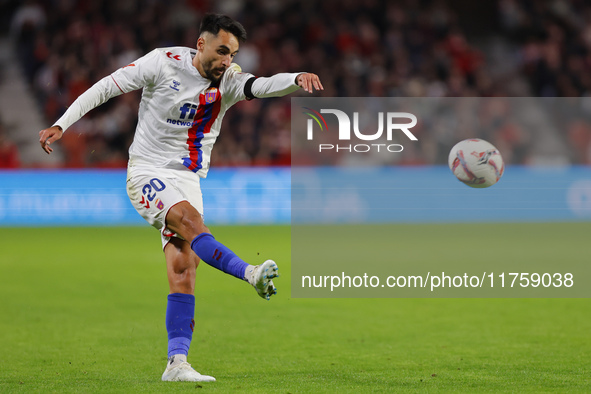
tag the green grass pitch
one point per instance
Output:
(82, 310)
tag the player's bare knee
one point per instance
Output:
(181, 275)
(193, 223)
(186, 221)
(181, 268)
(184, 275)
(180, 263)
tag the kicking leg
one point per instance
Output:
(184, 220)
(181, 264)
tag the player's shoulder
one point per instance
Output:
(175, 55)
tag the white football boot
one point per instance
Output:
(183, 372)
(261, 278)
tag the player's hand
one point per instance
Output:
(309, 82)
(47, 136)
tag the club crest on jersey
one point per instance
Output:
(159, 204)
(211, 95)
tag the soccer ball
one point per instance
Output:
(476, 162)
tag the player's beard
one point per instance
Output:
(209, 71)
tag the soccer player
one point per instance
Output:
(186, 93)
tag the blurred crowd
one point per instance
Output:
(554, 52)
(407, 48)
(9, 157)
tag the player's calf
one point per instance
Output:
(218, 255)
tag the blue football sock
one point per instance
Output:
(180, 312)
(218, 256)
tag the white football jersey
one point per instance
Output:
(181, 112)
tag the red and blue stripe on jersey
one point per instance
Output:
(206, 115)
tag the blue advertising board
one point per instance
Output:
(99, 197)
(306, 195)
(433, 195)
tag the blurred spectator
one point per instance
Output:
(554, 40)
(555, 43)
(9, 157)
(579, 134)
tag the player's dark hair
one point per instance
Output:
(212, 23)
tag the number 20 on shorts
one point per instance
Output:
(149, 190)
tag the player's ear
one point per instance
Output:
(200, 43)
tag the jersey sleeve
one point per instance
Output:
(234, 81)
(142, 72)
(276, 86)
(240, 86)
(98, 94)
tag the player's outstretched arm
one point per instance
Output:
(309, 82)
(125, 79)
(47, 136)
(280, 84)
